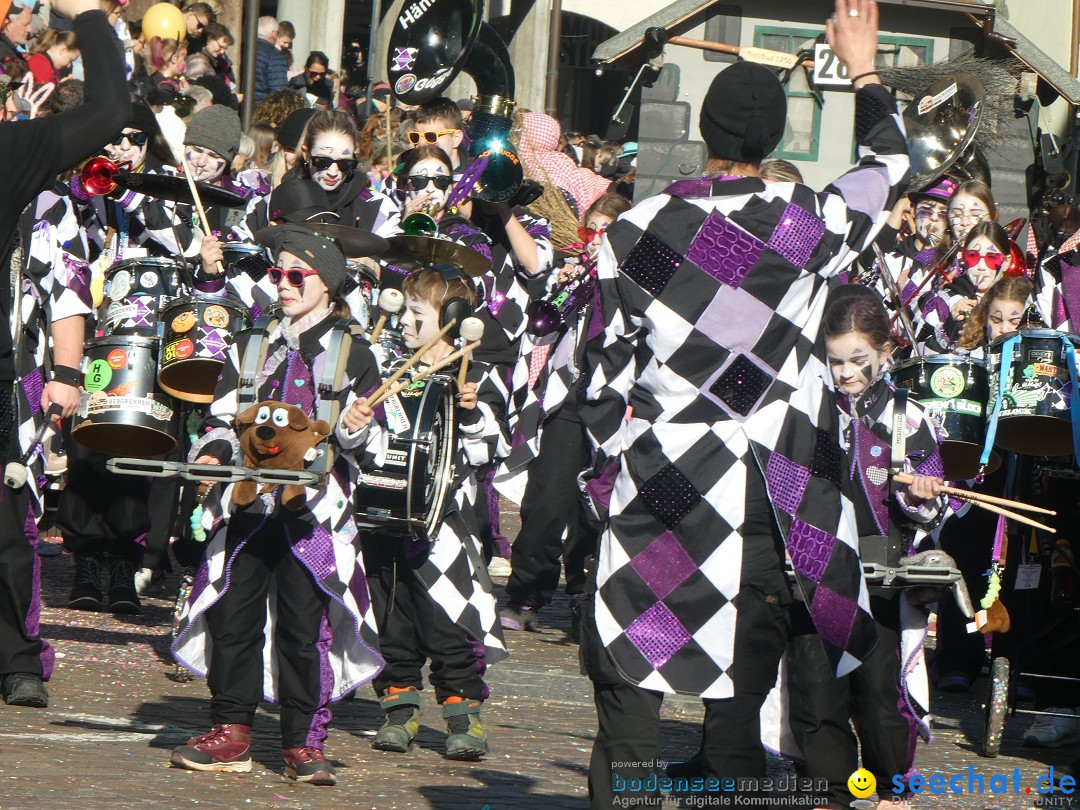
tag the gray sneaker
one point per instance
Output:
(519, 617)
(1050, 731)
(25, 689)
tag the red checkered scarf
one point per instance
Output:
(542, 161)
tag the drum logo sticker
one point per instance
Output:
(928, 103)
(382, 481)
(148, 280)
(180, 350)
(98, 376)
(120, 285)
(404, 83)
(396, 418)
(404, 59)
(184, 322)
(397, 458)
(1047, 370)
(414, 389)
(947, 382)
(117, 359)
(217, 317)
(1040, 356)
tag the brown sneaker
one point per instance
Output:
(224, 748)
(308, 765)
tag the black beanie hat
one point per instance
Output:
(322, 252)
(744, 112)
(288, 134)
(216, 128)
(142, 118)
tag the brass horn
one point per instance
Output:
(941, 123)
(422, 221)
(98, 176)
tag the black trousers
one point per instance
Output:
(20, 584)
(237, 623)
(821, 704)
(628, 716)
(551, 508)
(413, 629)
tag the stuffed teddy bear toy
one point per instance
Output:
(277, 436)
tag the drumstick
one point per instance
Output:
(427, 372)
(198, 204)
(472, 329)
(905, 478)
(390, 302)
(989, 507)
(376, 395)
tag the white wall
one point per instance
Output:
(1048, 24)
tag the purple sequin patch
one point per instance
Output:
(787, 482)
(651, 264)
(797, 234)
(932, 466)
(317, 550)
(809, 548)
(669, 496)
(833, 616)
(658, 635)
(33, 385)
(724, 251)
(664, 564)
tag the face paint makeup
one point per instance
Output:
(854, 363)
(1003, 317)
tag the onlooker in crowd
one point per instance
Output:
(381, 98)
(52, 53)
(315, 78)
(286, 33)
(200, 96)
(15, 32)
(271, 72)
(263, 138)
(197, 16)
(212, 60)
(167, 63)
(277, 106)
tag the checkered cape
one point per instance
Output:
(55, 285)
(331, 549)
(1057, 289)
(711, 304)
(445, 570)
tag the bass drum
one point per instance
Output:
(408, 494)
(122, 412)
(953, 390)
(198, 331)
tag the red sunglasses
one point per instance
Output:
(295, 277)
(586, 235)
(994, 261)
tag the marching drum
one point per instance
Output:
(245, 258)
(135, 290)
(408, 494)
(122, 412)
(198, 330)
(953, 390)
(1035, 417)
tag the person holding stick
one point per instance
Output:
(432, 600)
(322, 643)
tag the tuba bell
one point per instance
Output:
(941, 123)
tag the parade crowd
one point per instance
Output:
(730, 414)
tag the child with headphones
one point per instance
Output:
(431, 597)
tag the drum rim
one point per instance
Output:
(954, 359)
(123, 264)
(446, 463)
(122, 338)
(212, 300)
(1036, 334)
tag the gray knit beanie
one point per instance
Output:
(216, 128)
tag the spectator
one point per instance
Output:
(289, 134)
(201, 98)
(314, 80)
(381, 98)
(15, 32)
(286, 34)
(197, 16)
(219, 90)
(264, 138)
(167, 61)
(277, 106)
(213, 60)
(270, 71)
(51, 53)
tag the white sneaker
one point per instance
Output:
(499, 567)
(1052, 731)
(149, 582)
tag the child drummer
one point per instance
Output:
(280, 606)
(429, 595)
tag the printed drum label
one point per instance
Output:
(151, 407)
(98, 376)
(217, 317)
(965, 406)
(184, 322)
(148, 280)
(947, 382)
(117, 359)
(120, 285)
(179, 350)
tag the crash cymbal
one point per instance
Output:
(175, 189)
(355, 242)
(433, 250)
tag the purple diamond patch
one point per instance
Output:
(658, 635)
(796, 235)
(214, 340)
(833, 616)
(664, 564)
(723, 250)
(809, 548)
(787, 482)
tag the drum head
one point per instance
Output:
(961, 460)
(1034, 435)
(133, 441)
(192, 380)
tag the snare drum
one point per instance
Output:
(122, 412)
(408, 494)
(198, 331)
(134, 291)
(1035, 419)
(954, 391)
(245, 258)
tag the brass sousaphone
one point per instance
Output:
(941, 124)
(434, 40)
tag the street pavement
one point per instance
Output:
(116, 711)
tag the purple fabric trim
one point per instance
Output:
(320, 720)
(865, 190)
(690, 189)
(78, 279)
(47, 656)
(928, 256)
(299, 388)
(734, 319)
(787, 482)
(211, 285)
(127, 200)
(480, 656)
(78, 191)
(876, 494)
(724, 251)
(318, 551)
(833, 615)
(809, 548)
(502, 543)
(917, 725)
(797, 235)
(33, 385)
(1070, 290)
(599, 489)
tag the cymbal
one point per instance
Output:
(355, 242)
(432, 250)
(175, 189)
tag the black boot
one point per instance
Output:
(123, 598)
(86, 591)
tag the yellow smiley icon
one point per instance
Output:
(861, 783)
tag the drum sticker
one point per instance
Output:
(404, 59)
(117, 359)
(178, 350)
(98, 375)
(216, 316)
(120, 285)
(396, 419)
(216, 341)
(1040, 356)
(151, 407)
(928, 103)
(404, 84)
(184, 322)
(382, 481)
(148, 280)
(947, 382)
(397, 458)
(415, 389)
(1048, 370)
(144, 315)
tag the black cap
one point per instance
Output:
(744, 112)
(143, 118)
(292, 128)
(219, 90)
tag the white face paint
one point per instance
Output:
(965, 212)
(332, 146)
(982, 274)
(419, 322)
(854, 363)
(128, 152)
(597, 223)
(311, 295)
(206, 165)
(1003, 317)
(931, 217)
(430, 167)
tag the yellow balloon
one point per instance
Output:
(861, 783)
(164, 20)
